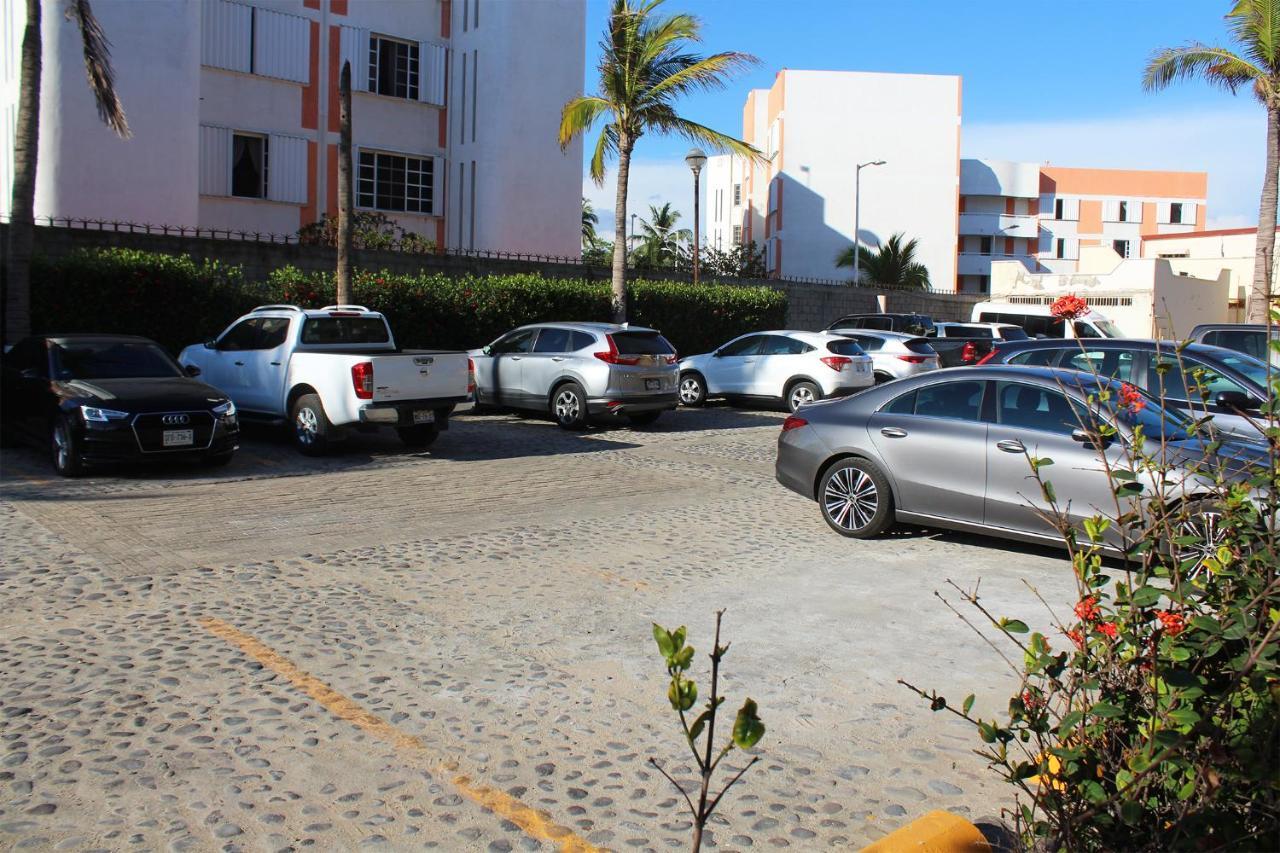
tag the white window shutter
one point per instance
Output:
(287, 169)
(1135, 211)
(281, 46)
(1110, 211)
(438, 172)
(432, 59)
(1162, 212)
(1188, 213)
(215, 160)
(353, 46)
(1072, 250)
(1072, 208)
(226, 33)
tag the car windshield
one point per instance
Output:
(112, 360)
(1133, 407)
(345, 330)
(1013, 333)
(1108, 329)
(1252, 369)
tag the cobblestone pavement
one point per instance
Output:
(452, 649)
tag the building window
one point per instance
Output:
(1175, 213)
(248, 165)
(737, 194)
(737, 235)
(393, 68)
(395, 182)
(1057, 209)
(1124, 211)
(1060, 248)
(1121, 247)
(984, 245)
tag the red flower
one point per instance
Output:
(1069, 307)
(1131, 398)
(1076, 637)
(1108, 628)
(1087, 608)
(1173, 623)
(1030, 701)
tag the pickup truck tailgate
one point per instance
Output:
(419, 376)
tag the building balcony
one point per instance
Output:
(972, 263)
(998, 225)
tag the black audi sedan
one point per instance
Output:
(102, 399)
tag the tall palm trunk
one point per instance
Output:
(1264, 265)
(345, 200)
(17, 297)
(625, 147)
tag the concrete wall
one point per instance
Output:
(1207, 255)
(810, 306)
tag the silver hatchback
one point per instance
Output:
(578, 370)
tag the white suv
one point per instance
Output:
(794, 367)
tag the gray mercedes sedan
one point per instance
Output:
(950, 449)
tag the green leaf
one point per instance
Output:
(1014, 626)
(987, 732)
(1069, 722)
(663, 638)
(699, 724)
(1181, 678)
(1106, 709)
(1130, 812)
(1122, 474)
(747, 728)
(968, 703)
(1184, 717)
(682, 694)
(677, 639)
(682, 659)
(1234, 631)
(1145, 596)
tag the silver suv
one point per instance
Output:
(575, 370)
(893, 354)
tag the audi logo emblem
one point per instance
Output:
(175, 420)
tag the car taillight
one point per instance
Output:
(914, 359)
(969, 352)
(612, 356)
(362, 379)
(673, 358)
(990, 355)
(794, 422)
(836, 362)
(471, 376)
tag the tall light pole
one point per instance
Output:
(696, 158)
(857, 211)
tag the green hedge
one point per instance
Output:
(178, 301)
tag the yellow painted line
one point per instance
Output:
(536, 824)
(935, 832)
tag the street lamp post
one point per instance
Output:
(857, 211)
(696, 159)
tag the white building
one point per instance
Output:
(815, 127)
(1206, 253)
(234, 112)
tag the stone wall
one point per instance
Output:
(810, 306)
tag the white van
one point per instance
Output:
(1038, 322)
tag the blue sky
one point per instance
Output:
(1052, 82)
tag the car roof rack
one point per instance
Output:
(275, 308)
(345, 308)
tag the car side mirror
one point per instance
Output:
(488, 350)
(1235, 400)
(211, 344)
(717, 354)
(191, 370)
(1084, 436)
(29, 373)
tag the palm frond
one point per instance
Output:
(97, 66)
(578, 116)
(667, 121)
(1215, 65)
(706, 74)
(606, 145)
(1255, 24)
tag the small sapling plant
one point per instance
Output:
(683, 695)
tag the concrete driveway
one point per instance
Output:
(452, 649)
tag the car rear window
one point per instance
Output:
(642, 343)
(1012, 334)
(920, 346)
(845, 347)
(345, 330)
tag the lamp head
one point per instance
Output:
(696, 158)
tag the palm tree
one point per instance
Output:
(660, 244)
(645, 65)
(26, 144)
(1255, 27)
(589, 222)
(892, 265)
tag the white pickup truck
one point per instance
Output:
(330, 370)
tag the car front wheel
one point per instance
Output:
(855, 499)
(693, 390)
(66, 449)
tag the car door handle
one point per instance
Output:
(557, 358)
(275, 364)
(893, 432)
(239, 364)
(515, 358)
(1011, 446)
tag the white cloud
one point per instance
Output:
(651, 182)
(1229, 144)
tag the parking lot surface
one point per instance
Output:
(452, 649)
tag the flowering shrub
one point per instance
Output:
(1156, 724)
(1069, 307)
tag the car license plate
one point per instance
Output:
(424, 416)
(179, 437)
(653, 385)
(862, 368)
